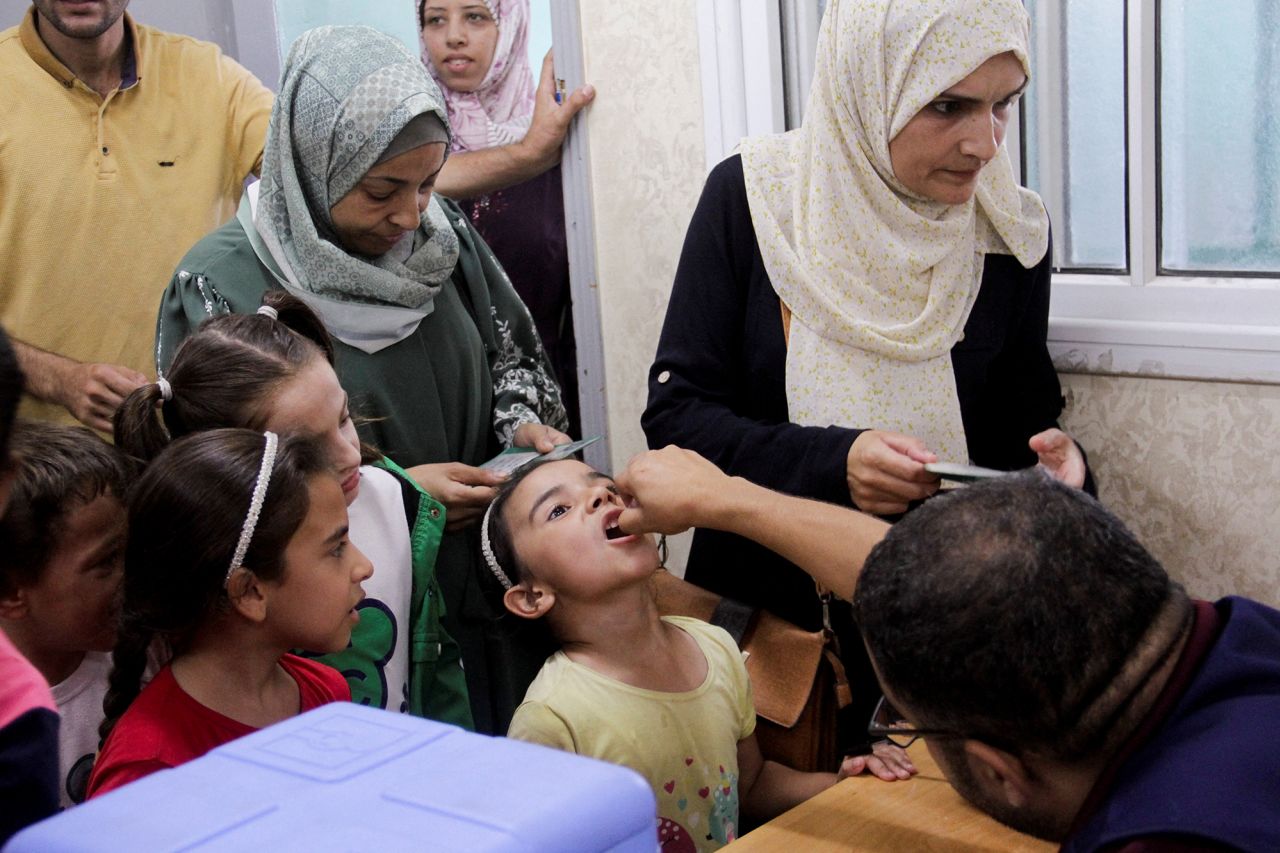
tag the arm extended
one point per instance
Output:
(674, 489)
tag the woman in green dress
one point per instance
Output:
(437, 351)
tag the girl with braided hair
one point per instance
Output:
(237, 553)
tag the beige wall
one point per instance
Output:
(647, 168)
(1194, 469)
(645, 140)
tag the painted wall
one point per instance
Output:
(644, 134)
(1193, 469)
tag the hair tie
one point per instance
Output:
(268, 311)
(255, 503)
(166, 390)
(487, 550)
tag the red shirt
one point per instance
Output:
(165, 726)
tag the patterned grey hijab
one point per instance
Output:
(345, 96)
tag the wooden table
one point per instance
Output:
(864, 813)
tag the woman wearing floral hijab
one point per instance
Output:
(433, 344)
(478, 53)
(869, 292)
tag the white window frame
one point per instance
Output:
(1140, 323)
(741, 95)
(1149, 324)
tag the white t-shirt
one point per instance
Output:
(79, 698)
(380, 530)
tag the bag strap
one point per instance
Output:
(734, 617)
(844, 693)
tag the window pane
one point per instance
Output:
(1220, 136)
(1074, 129)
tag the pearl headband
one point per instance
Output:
(255, 503)
(486, 549)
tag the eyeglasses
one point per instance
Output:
(887, 721)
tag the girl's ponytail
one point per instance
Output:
(294, 313)
(224, 375)
(138, 424)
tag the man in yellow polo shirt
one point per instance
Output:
(120, 147)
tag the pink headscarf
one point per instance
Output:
(499, 110)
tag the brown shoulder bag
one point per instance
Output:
(796, 676)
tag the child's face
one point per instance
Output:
(563, 521)
(313, 606)
(76, 602)
(313, 404)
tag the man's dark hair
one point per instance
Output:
(1005, 610)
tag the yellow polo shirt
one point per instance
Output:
(100, 197)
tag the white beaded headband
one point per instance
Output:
(486, 549)
(255, 503)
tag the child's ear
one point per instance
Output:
(13, 604)
(248, 594)
(528, 601)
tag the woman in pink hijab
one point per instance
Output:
(503, 167)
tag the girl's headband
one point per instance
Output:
(486, 548)
(255, 503)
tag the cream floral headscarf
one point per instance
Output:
(880, 282)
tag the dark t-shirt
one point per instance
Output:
(1199, 772)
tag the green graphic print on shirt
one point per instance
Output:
(364, 661)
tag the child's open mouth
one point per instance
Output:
(612, 532)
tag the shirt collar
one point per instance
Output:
(42, 56)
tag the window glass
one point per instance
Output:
(1219, 130)
(1074, 129)
(539, 35)
(294, 17)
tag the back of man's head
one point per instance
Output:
(1007, 611)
